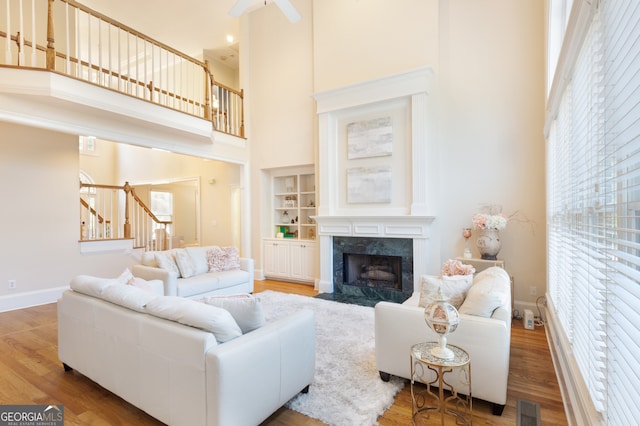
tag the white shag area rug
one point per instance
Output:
(346, 389)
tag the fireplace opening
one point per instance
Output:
(373, 271)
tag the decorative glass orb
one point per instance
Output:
(443, 318)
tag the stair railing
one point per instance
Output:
(117, 212)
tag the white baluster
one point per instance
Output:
(33, 33)
(7, 52)
(21, 38)
(66, 30)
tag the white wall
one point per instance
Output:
(489, 103)
(356, 40)
(41, 214)
(142, 165)
(280, 111)
(491, 115)
(40, 217)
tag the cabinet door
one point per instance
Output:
(276, 259)
(303, 261)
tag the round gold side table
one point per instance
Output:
(440, 397)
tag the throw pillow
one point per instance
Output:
(246, 309)
(185, 264)
(165, 260)
(200, 315)
(215, 259)
(91, 286)
(223, 259)
(199, 258)
(153, 286)
(490, 290)
(125, 276)
(128, 296)
(231, 259)
(455, 288)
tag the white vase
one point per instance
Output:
(489, 244)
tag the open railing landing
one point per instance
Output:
(89, 46)
(116, 212)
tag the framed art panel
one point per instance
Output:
(370, 138)
(369, 184)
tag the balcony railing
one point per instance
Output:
(66, 37)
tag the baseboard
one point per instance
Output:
(31, 298)
(578, 406)
(324, 286)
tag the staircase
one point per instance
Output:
(109, 212)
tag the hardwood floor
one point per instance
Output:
(30, 373)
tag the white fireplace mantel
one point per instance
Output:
(405, 99)
(416, 228)
(375, 226)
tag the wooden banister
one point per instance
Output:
(173, 72)
(91, 210)
(141, 235)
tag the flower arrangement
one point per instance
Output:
(452, 267)
(494, 219)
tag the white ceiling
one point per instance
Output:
(189, 26)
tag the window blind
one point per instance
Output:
(621, 176)
(593, 209)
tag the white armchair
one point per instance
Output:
(486, 339)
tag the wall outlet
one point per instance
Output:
(533, 291)
(12, 284)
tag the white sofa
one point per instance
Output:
(194, 280)
(486, 339)
(178, 373)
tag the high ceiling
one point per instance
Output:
(189, 26)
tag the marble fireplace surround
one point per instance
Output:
(405, 97)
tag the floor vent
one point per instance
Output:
(528, 413)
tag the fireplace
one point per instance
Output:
(394, 219)
(373, 268)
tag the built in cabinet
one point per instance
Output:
(294, 203)
(291, 252)
(290, 260)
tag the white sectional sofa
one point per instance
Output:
(175, 372)
(485, 333)
(185, 272)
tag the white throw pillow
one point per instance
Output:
(454, 288)
(200, 315)
(490, 290)
(91, 286)
(128, 296)
(153, 286)
(199, 259)
(185, 264)
(125, 276)
(165, 260)
(246, 309)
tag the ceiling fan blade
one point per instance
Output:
(289, 11)
(239, 8)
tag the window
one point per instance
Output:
(162, 208)
(593, 203)
(88, 196)
(87, 145)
